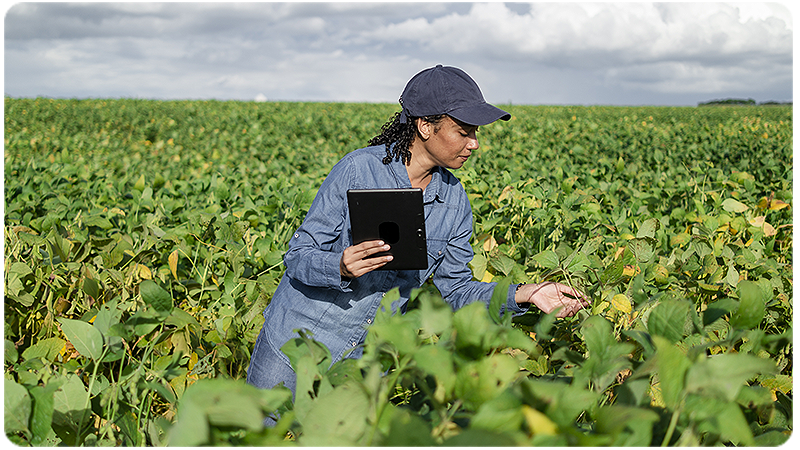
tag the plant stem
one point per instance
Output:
(672, 423)
(89, 394)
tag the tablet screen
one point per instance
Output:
(395, 216)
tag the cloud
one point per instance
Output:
(525, 53)
(608, 37)
(664, 48)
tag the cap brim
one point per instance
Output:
(480, 114)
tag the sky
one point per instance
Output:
(630, 53)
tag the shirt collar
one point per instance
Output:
(432, 191)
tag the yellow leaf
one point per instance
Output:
(487, 277)
(656, 399)
(757, 221)
(144, 272)
(778, 204)
(192, 360)
(769, 230)
(620, 302)
(489, 244)
(539, 423)
(173, 263)
(506, 192)
(661, 274)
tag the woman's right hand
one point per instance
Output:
(356, 262)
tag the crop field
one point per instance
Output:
(143, 239)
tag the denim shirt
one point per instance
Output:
(313, 295)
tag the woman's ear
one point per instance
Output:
(424, 129)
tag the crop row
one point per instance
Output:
(144, 238)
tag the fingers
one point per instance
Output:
(572, 301)
(356, 259)
(551, 296)
(572, 307)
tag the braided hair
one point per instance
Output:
(402, 135)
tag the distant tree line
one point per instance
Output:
(740, 102)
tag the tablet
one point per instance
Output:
(395, 216)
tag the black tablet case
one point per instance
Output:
(395, 216)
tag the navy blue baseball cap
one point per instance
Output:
(447, 90)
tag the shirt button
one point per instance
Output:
(296, 235)
(383, 295)
(440, 252)
(369, 320)
(353, 344)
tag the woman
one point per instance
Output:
(331, 287)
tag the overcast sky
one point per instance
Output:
(521, 53)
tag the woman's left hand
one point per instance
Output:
(549, 296)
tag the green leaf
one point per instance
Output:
(478, 265)
(91, 288)
(191, 426)
(502, 413)
(607, 357)
(436, 316)
(751, 306)
(578, 263)
(70, 407)
(43, 408)
(548, 259)
(310, 361)
(180, 318)
(338, 418)
(86, 339)
(15, 286)
(503, 263)
(498, 300)
(16, 406)
(668, 319)
(108, 316)
(473, 326)
(734, 206)
(671, 365)
(628, 426)
(648, 228)
(46, 348)
(564, 402)
(407, 429)
(19, 269)
(643, 249)
(598, 333)
(343, 371)
(724, 375)
(437, 361)
(395, 332)
(482, 380)
(719, 418)
(479, 438)
(156, 297)
(613, 272)
(222, 403)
